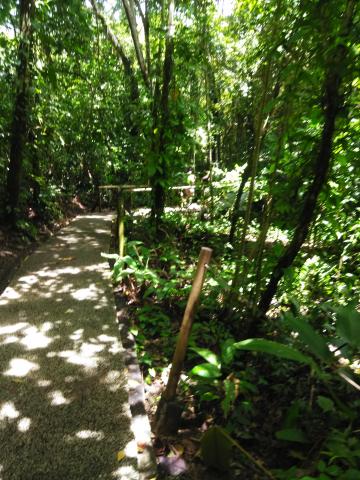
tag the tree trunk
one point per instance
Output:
(159, 178)
(266, 217)
(253, 165)
(332, 102)
(36, 171)
(21, 107)
(235, 214)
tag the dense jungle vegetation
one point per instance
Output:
(255, 104)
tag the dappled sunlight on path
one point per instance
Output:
(64, 410)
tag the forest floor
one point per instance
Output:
(64, 410)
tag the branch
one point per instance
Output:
(143, 19)
(146, 25)
(118, 49)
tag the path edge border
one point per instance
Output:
(147, 465)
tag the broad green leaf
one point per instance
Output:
(291, 435)
(206, 370)
(325, 403)
(216, 449)
(348, 324)
(228, 351)
(209, 396)
(292, 415)
(208, 355)
(274, 348)
(316, 343)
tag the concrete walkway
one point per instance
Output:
(64, 411)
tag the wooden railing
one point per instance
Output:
(121, 189)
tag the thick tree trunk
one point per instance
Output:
(36, 171)
(332, 103)
(159, 178)
(20, 116)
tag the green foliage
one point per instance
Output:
(348, 324)
(215, 380)
(291, 435)
(27, 229)
(273, 348)
(308, 335)
(136, 265)
(325, 403)
(339, 459)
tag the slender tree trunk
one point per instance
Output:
(266, 217)
(332, 102)
(235, 213)
(260, 244)
(253, 164)
(21, 108)
(211, 178)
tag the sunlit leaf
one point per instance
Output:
(208, 355)
(206, 370)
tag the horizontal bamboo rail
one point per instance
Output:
(142, 188)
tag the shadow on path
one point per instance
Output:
(64, 410)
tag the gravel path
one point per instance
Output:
(64, 411)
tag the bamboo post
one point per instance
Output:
(121, 226)
(186, 325)
(168, 412)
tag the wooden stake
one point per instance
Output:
(187, 321)
(121, 226)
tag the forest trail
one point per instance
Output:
(64, 411)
